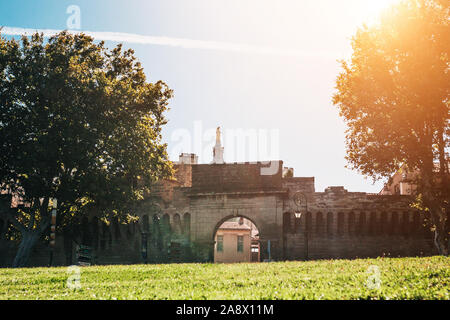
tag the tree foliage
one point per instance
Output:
(79, 123)
(394, 98)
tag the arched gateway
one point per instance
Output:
(294, 221)
(236, 239)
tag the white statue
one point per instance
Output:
(218, 149)
(218, 136)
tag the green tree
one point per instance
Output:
(78, 123)
(394, 98)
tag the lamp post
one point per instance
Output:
(53, 231)
(301, 200)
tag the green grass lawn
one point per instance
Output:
(400, 278)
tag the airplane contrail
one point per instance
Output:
(176, 42)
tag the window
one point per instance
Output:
(362, 223)
(330, 223)
(373, 228)
(166, 223)
(240, 244)
(287, 222)
(255, 249)
(405, 224)
(219, 243)
(351, 223)
(340, 223)
(319, 223)
(384, 227)
(308, 221)
(394, 224)
(177, 223)
(187, 224)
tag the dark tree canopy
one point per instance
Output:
(78, 123)
(394, 98)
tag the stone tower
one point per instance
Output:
(218, 149)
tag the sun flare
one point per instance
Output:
(373, 8)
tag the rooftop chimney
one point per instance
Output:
(188, 158)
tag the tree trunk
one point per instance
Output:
(440, 236)
(437, 212)
(29, 239)
(441, 241)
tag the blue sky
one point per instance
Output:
(289, 93)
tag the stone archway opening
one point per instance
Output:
(236, 240)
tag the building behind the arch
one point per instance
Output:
(236, 240)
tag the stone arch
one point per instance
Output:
(319, 227)
(404, 224)
(287, 224)
(362, 223)
(384, 225)
(340, 223)
(257, 224)
(187, 224)
(394, 223)
(166, 223)
(351, 223)
(372, 230)
(206, 222)
(177, 223)
(217, 226)
(308, 221)
(410, 224)
(330, 223)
